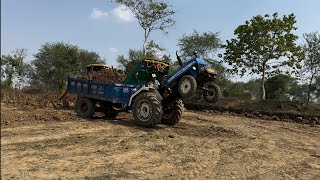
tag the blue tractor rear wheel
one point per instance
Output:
(173, 115)
(147, 109)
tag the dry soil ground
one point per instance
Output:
(39, 142)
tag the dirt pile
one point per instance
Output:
(105, 76)
(13, 115)
(18, 98)
(267, 110)
(32, 107)
(35, 99)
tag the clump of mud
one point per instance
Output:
(31, 107)
(267, 110)
(34, 98)
(19, 98)
(104, 76)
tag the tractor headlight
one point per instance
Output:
(209, 70)
(194, 68)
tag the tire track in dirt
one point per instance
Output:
(64, 131)
(258, 149)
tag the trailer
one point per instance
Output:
(145, 102)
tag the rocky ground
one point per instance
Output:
(40, 142)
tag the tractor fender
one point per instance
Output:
(179, 73)
(144, 88)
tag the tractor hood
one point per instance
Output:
(200, 61)
(204, 66)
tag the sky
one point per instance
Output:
(110, 30)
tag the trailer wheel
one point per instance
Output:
(174, 114)
(213, 93)
(108, 110)
(85, 108)
(187, 86)
(147, 109)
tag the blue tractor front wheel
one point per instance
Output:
(212, 93)
(187, 86)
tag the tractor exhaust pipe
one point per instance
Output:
(179, 59)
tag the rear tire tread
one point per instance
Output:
(90, 108)
(175, 115)
(156, 110)
(108, 110)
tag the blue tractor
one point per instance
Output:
(148, 104)
(190, 76)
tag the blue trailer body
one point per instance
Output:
(115, 93)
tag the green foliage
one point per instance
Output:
(277, 87)
(317, 89)
(151, 15)
(56, 61)
(283, 87)
(297, 91)
(13, 66)
(311, 67)
(264, 45)
(204, 44)
(237, 90)
(134, 57)
(240, 90)
(152, 48)
(166, 58)
(220, 69)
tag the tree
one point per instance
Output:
(297, 92)
(317, 91)
(56, 61)
(311, 67)
(151, 15)
(152, 48)
(205, 44)
(12, 66)
(237, 90)
(241, 90)
(263, 46)
(252, 87)
(134, 57)
(277, 87)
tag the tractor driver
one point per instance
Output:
(154, 82)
